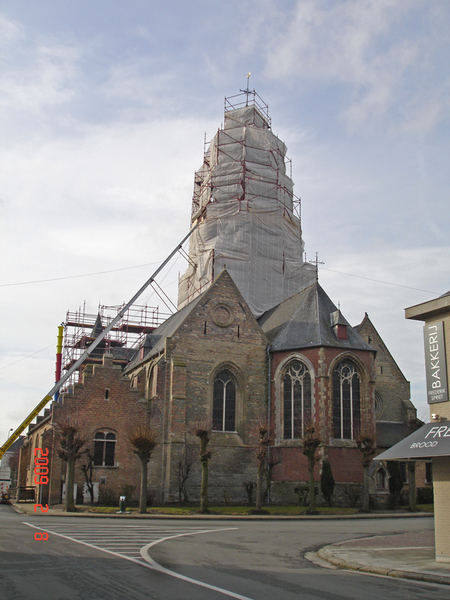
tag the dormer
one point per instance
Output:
(338, 325)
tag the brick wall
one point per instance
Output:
(93, 410)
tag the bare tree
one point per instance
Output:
(143, 440)
(272, 462)
(366, 445)
(310, 442)
(87, 468)
(71, 442)
(203, 432)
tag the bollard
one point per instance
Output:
(123, 504)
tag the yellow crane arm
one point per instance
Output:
(12, 438)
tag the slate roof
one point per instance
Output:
(390, 433)
(154, 342)
(98, 327)
(305, 321)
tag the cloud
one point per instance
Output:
(44, 79)
(382, 51)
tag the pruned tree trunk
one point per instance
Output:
(69, 503)
(259, 480)
(69, 449)
(366, 494)
(203, 431)
(142, 440)
(312, 485)
(204, 488)
(144, 490)
(264, 441)
(311, 442)
(412, 486)
(366, 443)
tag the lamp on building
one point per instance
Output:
(436, 417)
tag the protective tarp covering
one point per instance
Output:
(245, 202)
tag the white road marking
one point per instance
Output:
(144, 556)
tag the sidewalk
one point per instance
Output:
(406, 555)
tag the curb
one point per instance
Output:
(215, 517)
(327, 555)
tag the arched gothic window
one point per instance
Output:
(381, 479)
(378, 404)
(104, 449)
(297, 402)
(346, 401)
(224, 402)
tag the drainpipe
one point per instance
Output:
(269, 362)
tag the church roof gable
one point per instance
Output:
(367, 328)
(155, 342)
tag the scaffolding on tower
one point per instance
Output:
(81, 328)
(249, 217)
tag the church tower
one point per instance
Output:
(249, 218)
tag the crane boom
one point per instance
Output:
(12, 438)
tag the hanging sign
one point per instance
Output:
(435, 362)
(433, 439)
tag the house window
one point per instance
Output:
(224, 402)
(346, 401)
(104, 449)
(296, 400)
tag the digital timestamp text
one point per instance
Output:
(41, 478)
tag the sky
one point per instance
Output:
(105, 106)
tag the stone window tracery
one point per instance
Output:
(346, 401)
(224, 402)
(297, 400)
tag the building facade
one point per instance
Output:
(436, 316)
(255, 340)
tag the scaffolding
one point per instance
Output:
(249, 217)
(82, 328)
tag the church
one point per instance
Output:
(255, 340)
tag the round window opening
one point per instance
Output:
(222, 315)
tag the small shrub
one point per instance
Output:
(327, 482)
(107, 496)
(352, 493)
(127, 491)
(302, 491)
(249, 488)
(425, 495)
(150, 497)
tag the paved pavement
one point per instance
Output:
(407, 555)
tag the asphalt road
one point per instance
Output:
(121, 559)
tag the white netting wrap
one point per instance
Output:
(245, 201)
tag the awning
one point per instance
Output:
(433, 439)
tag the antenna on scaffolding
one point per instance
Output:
(247, 91)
